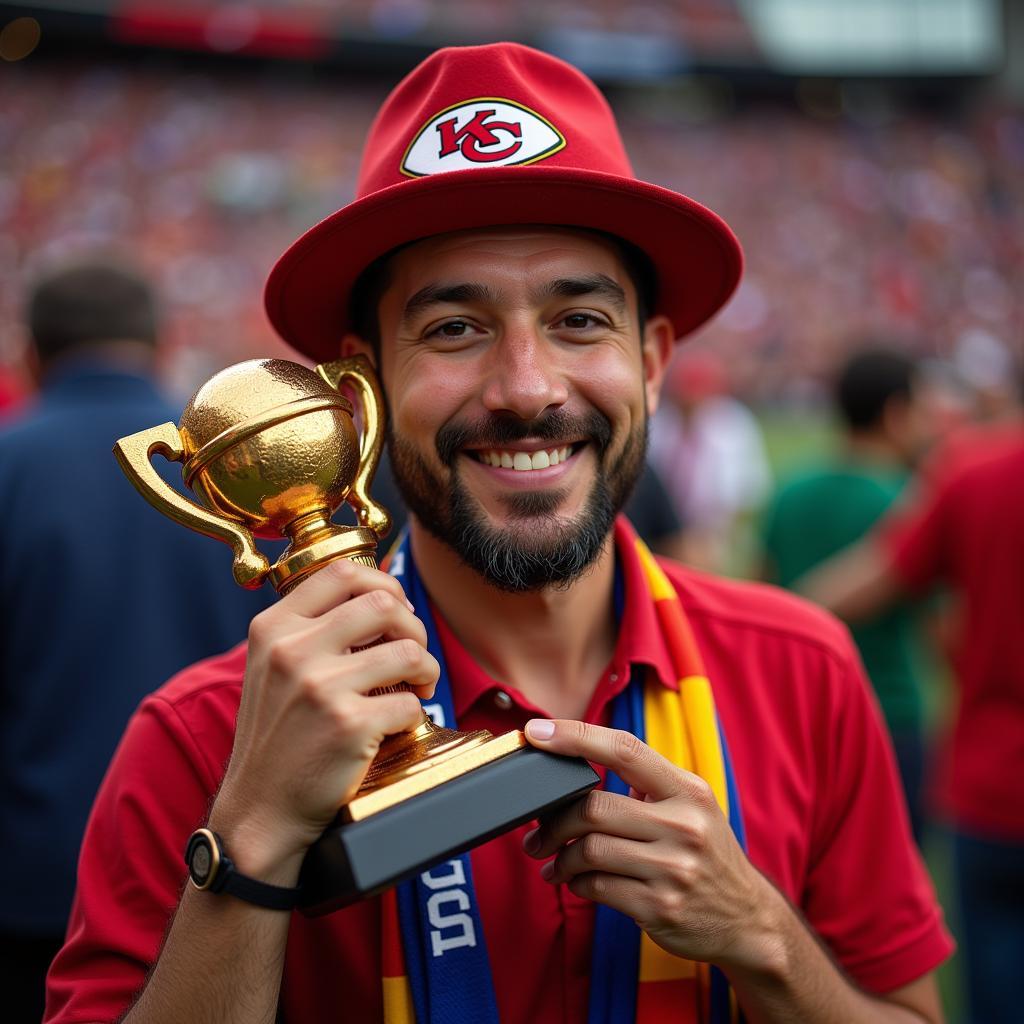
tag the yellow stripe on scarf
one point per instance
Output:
(698, 711)
(682, 727)
(398, 1007)
(661, 589)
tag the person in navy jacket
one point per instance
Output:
(102, 600)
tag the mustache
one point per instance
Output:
(500, 431)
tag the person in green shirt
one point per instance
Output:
(826, 508)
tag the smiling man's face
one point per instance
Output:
(519, 391)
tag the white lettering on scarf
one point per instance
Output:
(448, 930)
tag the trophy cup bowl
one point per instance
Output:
(271, 450)
(267, 472)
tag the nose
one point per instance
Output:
(524, 376)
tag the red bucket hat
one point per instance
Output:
(527, 139)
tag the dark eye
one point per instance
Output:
(580, 321)
(451, 329)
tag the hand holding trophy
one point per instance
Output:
(271, 450)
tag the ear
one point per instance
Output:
(353, 345)
(658, 345)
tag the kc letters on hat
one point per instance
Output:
(481, 136)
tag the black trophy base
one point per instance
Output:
(353, 860)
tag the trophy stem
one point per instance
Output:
(312, 527)
(325, 545)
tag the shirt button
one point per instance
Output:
(614, 677)
(502, 701)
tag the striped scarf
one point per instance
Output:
(632, 978)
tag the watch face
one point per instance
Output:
(201, 863)
(203, 857)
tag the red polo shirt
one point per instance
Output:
(965, 528)
(821, 803)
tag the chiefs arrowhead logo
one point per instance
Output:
(485, 132)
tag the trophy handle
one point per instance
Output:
(359, 371)
(134, 453)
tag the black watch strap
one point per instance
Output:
(212, 870)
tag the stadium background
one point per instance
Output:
(868, 153)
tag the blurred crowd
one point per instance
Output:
(715, 22)
(908, 226)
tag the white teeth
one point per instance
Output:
(524, 461)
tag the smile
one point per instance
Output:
(521, 461)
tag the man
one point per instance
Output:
(520, 364)
(708, 447)
(962, 529)
(827, 508)
(101, 600)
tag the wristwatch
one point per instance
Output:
(212, 870)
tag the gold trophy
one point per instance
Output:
(270, 449)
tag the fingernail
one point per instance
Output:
(531, 841)
(409, 605)
(547, 869)
(540, 729)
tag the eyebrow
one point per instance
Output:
(437, 294)
(591, 284)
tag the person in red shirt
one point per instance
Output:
(520, 310)
(962, 529)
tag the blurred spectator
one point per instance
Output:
(707, 448)
(102, 598)
(945, 399)
(964, 530)
(988, 369)
(828, 507)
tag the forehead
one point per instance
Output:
(510, 253)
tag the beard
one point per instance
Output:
(538, 548)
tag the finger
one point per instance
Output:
(334, 584)
(302, 647)
(598, 852)
(598, 811)
(361, 621)
(636, 763)
(394, 712)
(627, 895)
(389, 663)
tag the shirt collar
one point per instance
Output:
(640, 641)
